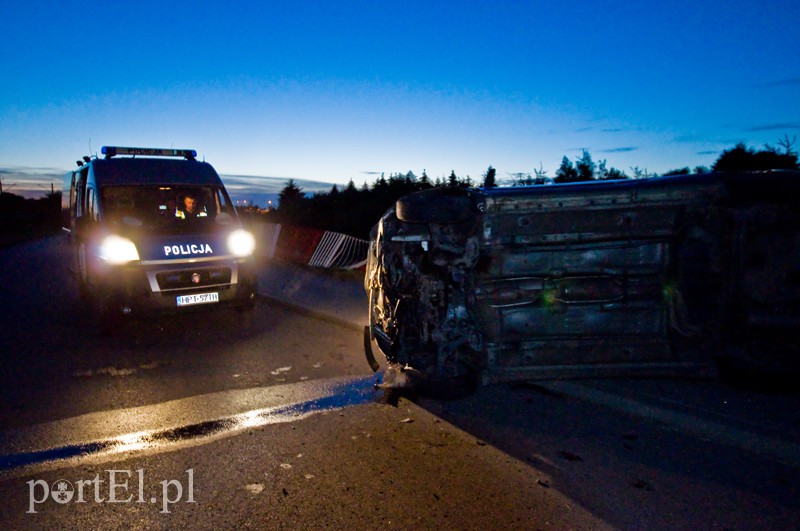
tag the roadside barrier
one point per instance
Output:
(267, 238)
(313, 247)
(339, 251)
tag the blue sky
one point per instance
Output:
(329, 91)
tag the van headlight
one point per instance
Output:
(118, 250)
(241, 243)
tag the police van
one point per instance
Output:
(155, 230)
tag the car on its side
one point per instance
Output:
(663, 276)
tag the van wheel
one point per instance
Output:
(109, 316)
(247, 306)
(109, 324)
(244, 314)
(81, 273)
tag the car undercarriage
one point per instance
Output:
(668, 276)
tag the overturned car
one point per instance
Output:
(664, 276)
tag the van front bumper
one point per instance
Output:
(147, 289)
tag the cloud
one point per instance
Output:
(36, 182)
(264, 190)
(790, 82)
(372, 172)
(774, 127)
(708, 152)
(254, 184)
(31, 182)
(626, 149)
(35, 174)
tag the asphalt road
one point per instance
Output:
(273, 422)
(57, 365)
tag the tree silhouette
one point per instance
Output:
(641, 173)
(521, 179)
(290, 202)
(424, 180)
(489, 177)
(354, 211)
(585, 167)
(788, 144)
(614, 174)
(743, 158)
(290, 193)
(540, 175)
(566, 173)
(678, 171)
(452, 180)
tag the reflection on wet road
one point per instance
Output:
(337, 395)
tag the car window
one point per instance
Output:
(164, 208)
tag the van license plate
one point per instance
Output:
(198, 298)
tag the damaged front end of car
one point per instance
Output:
(420, 278)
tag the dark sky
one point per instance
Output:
(330, 91)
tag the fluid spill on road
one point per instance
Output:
(337, 396)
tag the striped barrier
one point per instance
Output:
(313, 247)
(340, 251)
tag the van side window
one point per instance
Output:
(79, 199)
(80, 196)
(72, 193)
(91, 205)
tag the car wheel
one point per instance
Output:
(437, 205)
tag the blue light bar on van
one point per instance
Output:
(110, 151)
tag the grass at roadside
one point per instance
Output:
(340, 274)
(13, 237)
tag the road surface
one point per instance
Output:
(214, 421)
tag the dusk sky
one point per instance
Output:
(330, 91)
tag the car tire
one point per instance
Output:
(81, 273)
(437, 205)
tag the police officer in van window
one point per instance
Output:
(191, 208)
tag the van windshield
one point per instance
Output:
(167, 208)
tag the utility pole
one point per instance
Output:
(7, 187)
